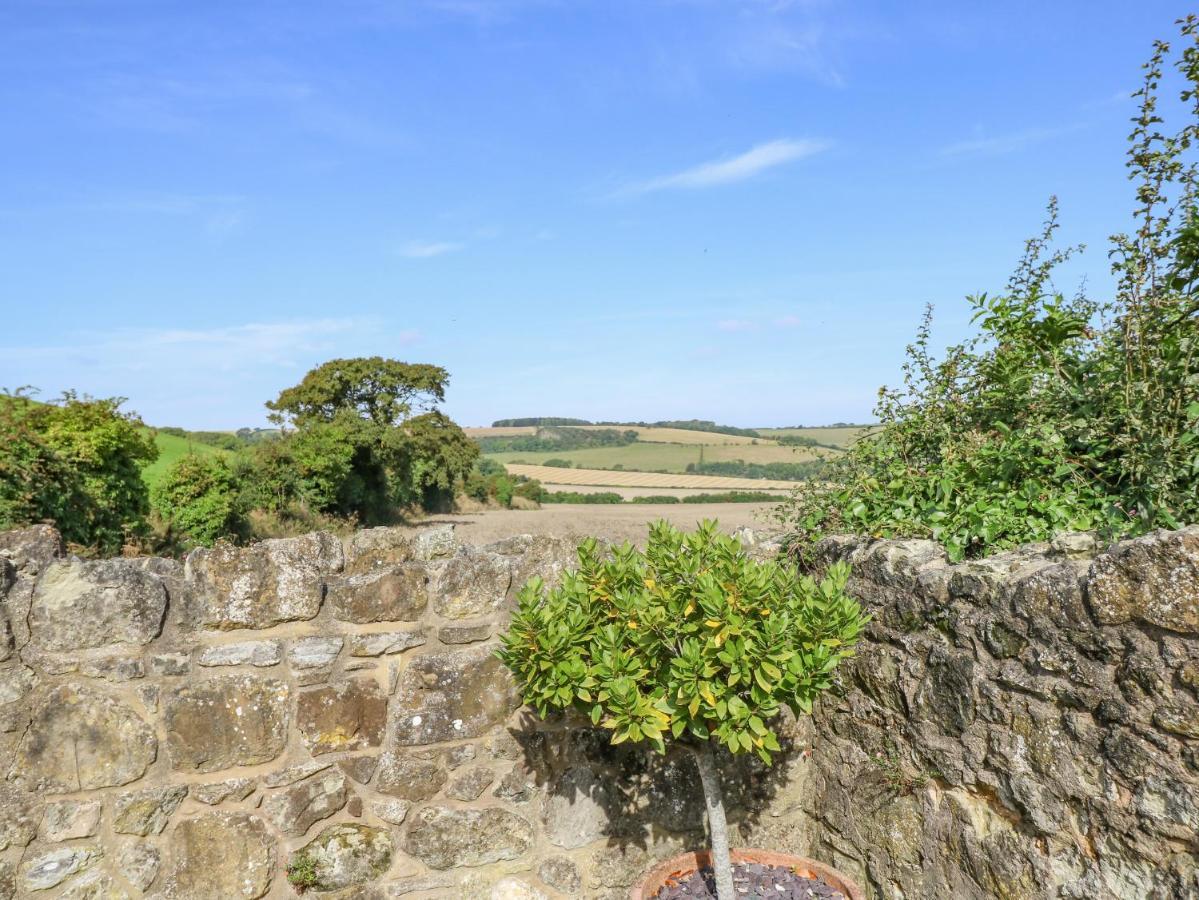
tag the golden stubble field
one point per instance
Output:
(621, 478)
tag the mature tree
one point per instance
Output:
(76, 463)
(366, 437)
(383, 391)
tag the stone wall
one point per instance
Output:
(192, 730)
(1023, 727)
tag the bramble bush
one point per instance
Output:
(77, 463)
(1061, 413)
(200, 499)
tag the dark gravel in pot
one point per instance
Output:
(751, 881)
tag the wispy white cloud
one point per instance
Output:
(428, 249)
(744, 166)
(735, 326)
(1013, 142)
(788, 321)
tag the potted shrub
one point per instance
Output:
(690, 642)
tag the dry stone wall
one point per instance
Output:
(1020, 727)
(194, 730)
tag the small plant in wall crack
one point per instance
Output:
(690, 641)
(302, 874)
(901, 780)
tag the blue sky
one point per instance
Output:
(620, 209)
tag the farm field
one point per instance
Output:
(170, 448)
(632, 493)
(679, 435)
(616, 523)
(836, 436)
(652, 457)
(649, 480)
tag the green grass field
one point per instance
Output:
(171, 448)
(646, 457)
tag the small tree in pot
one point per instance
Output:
(691, 641)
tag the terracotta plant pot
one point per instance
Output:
(686, 863)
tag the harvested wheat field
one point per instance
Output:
(616, 523)
(608, 478)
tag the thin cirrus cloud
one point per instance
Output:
(744, 166)
(428, 249)
(1000, 144)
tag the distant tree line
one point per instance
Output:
(557, 438)
(781, 471)
(693, 425)
(538, 421)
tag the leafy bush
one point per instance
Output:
(732, 497)
(200, 498)
(576, 497)
(76, 463)
(490, 482)
(558, 463)
(690, 641)
(1062, 413)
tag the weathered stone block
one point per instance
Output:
(220, 856)
(68, 820)
(350, 715)
(19, 816)
(384, 642)
(452, 695)
(391, 811)
(139, 863)
(113, 668)
(397, 594)
(218, 792)
(95, 886)
(81, 604)
(560, 873)
(464, 634)
(443, 838)
(231, 720)
(473, 583)
(360, 768)
(292, 774)
(347, 855)
(411, 776)
(314, 652)
(470, 784)
(372, 549)
(244, 653)
(1152, 579)
(296, 809)
(52, 869)
(31, 549)
(265, 584)
(147, 812)
(576, 810)
(80, 740)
